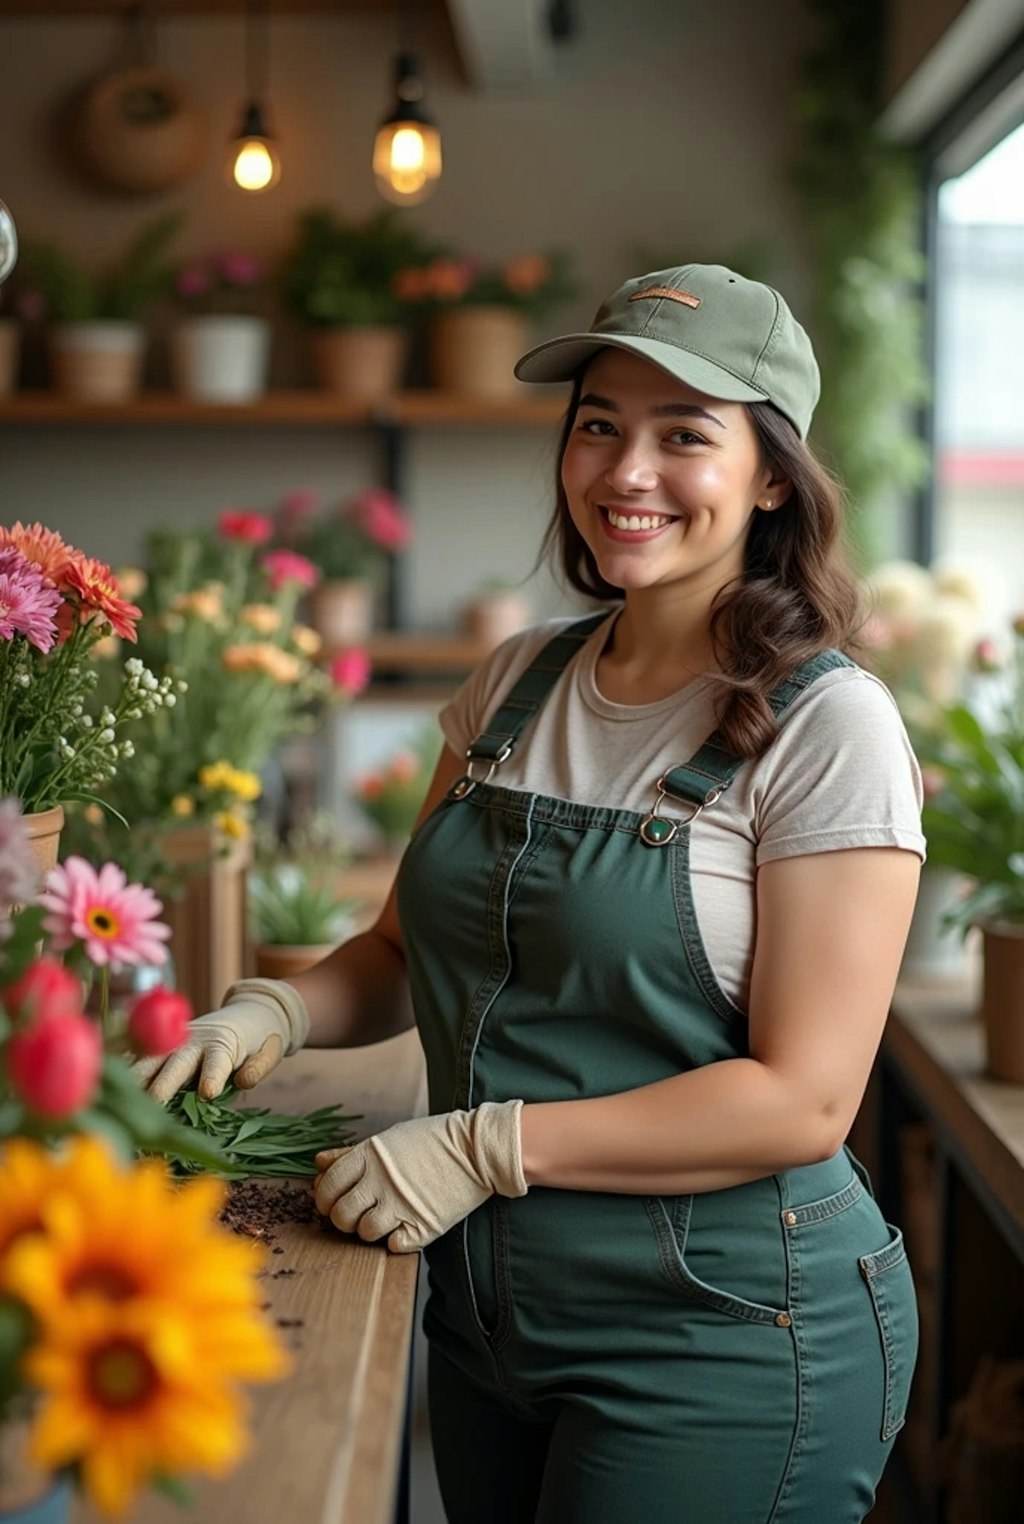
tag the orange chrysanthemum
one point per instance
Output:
(42, 546)
(93, 585)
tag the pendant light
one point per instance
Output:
(407, 150)
(8, 243)
(253, 162)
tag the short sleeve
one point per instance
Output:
(841, 774)
(466, 713)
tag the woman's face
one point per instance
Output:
(662, 480)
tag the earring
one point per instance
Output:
(767, 502)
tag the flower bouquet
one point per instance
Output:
(129, 1318)
(392, 796)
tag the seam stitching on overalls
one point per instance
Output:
(802, 1376)
(692, 940)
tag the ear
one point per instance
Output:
(775, 490)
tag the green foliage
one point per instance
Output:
(73, 294)
(975, 822)
(255, 1142)
(341, 274)
(293, 898)
(861, 204)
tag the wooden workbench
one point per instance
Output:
(326, 1441)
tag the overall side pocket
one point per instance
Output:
(891, 1286)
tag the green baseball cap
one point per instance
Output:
(708, 326)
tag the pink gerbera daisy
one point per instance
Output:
(115, 921)
(28, 601)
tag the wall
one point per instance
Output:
(665, 134)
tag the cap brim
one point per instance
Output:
(559, 360)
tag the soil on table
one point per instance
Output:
(255, 1209)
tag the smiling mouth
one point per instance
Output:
(635, 523)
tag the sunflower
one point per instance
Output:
(26, 1171)
(148, 1312)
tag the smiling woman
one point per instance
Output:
(647, 1028)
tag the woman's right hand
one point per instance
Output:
(261, 1021)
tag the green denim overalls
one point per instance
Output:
(740, 1356)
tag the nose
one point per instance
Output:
(633, 468)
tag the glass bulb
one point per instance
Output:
(407, 161)
(254, 164)
(8, 243)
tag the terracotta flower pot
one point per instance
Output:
(364, 363)
(341, 610)
(97, 362)
(44, 830)
(281, 960)
(473, 351)
(493, 617)
(1002, 999)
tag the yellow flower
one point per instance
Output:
(263, 617)
(246, 785)
(204, 604)
(93, 814)
(183, 805)
(215, 775)
(231, 824)
(148, 1312)
(26, 1171)
(306, 640)
(261, 656)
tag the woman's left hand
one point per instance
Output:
(414, 1181)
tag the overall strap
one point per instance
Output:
(712, 766)
(506, 725)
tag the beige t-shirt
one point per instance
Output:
(841, 773)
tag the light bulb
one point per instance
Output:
(253, 161)
(407, 161)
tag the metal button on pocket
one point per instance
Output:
(789, 1218)
(783, 1319)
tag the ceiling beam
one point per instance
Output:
(503, 44)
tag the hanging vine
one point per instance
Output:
(861, 200)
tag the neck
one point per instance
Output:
(665, 630)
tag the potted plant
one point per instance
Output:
(91, 1290)
(480, 315)
(60, 739)
(339, 280)
(220, 347)
(97, 341)
(922, 639)
(391, 796)
(974, 823)
(296, 912)
(498, 609)
(349, 546)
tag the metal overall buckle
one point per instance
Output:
(658, 830)
(467, 783)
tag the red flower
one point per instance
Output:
(54, 1063)
(92, 585)
(380, 515)
(158, 1021)
(350, 670)
(283, 566)
(251, 528)
(44, 989)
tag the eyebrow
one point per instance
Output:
(666, 410)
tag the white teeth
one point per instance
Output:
(637, 521)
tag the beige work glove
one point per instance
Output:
(417, 1179)
(260, 1021)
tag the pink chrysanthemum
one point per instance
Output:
(283, 566)
(114, 920)
(28, 601)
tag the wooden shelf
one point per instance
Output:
(401, 651)
(302, 407)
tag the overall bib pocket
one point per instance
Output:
(890, 1284)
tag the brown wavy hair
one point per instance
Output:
(797, 595)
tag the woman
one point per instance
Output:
(651, 932)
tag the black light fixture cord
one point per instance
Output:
(257, 24)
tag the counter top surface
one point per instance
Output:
(326, 1440)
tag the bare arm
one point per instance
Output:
(831, 931)
(359, 993)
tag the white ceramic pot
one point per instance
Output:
(221, 358)
(931, 953)
(97, 362)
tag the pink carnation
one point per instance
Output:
(115, 921)
(193, 280)
(28, 601)
(239, 524)
(350, 670)
(283, 566)
(379, 514)
(240, 269)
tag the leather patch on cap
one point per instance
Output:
(654, 292)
